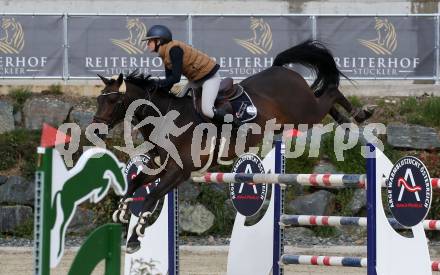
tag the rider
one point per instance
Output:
(200, 70)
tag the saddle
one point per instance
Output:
(232, 98)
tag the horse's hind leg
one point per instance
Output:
(359, 114)
(171, 180)
(337, 116)
(334, 113)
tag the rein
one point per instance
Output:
(121, 105)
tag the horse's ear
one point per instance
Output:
(105, 80)
(120, 79)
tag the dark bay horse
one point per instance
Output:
(277, 92)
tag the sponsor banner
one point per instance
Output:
(246, 45)
(109, 45)
(409, 191)
(381, 47)
(31, 46)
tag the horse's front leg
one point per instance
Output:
(169, 181)
(121, 214)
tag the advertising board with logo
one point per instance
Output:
(248, 198)
(246, 45)
(409, 191)
(381, 47)
(31, 46)
(80, 46)
(109, 45)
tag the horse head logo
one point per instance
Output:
(133, 44)
(90, 179)
(385, 42)
(261, 40)
(12, 36)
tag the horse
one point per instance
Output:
(277, 92)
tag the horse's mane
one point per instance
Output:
(138, 79)
(181, 104)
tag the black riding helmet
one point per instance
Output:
(161, 32)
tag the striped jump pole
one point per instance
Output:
(288, 259)
(297, 220)
(324, 180)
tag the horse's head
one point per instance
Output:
(111, 105)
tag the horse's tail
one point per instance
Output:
(314, 55)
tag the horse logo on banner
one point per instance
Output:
(386, 41)
(261, 40)
(12, 36)
(90, 179)
(133, 44)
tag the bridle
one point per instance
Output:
(120, 107)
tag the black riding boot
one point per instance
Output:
(219, 118)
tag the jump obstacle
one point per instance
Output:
(256, 249)
(389, 259)
(60, 190)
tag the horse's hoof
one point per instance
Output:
(370, 108)
(365, 113)
(132, 247)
